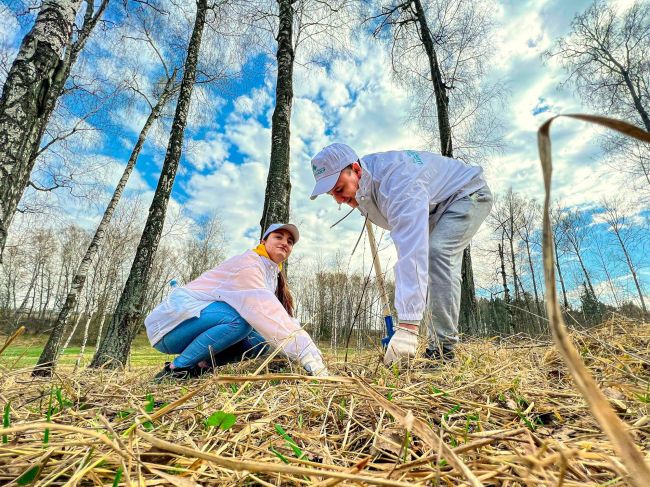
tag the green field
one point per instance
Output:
(24, 352)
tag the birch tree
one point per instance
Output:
(617, 219)
(114, 348)
(278, 184)
(50, 352)
(34, 84)
(304, 25)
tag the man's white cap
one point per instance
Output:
(328, 164)
(292, 229)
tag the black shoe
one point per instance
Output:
(178, 373)
(196, 371)
(439, 355)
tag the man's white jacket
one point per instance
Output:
(404, 192)
(247, 282)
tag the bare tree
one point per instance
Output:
(34, 84)
(115, 347)
(558, 241)
(577, 233)
(504, 281)
(506, 218)
(615, 215)
(204, 249)
(605, 265)
(50, 352)
(527, 230)
(455, 48)
(606, 58)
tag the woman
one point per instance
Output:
(237, 307)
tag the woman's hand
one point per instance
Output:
(314, 365)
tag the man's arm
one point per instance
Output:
(407, 212)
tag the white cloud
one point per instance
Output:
(355, 99)
(253, 104)
(252, 139)
(236, 193)
(9, 26)
(521, 34)
(207, 152)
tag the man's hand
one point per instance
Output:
(402, 345)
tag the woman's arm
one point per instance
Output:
(263, 311)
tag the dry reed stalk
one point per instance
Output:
(9, 340)
(424, 431)
(598, 403)
(518, 425)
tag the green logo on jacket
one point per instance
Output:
(415, 157)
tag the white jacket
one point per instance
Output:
(247, 282)
(400, 191)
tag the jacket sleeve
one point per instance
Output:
(406, 206)
(264, 312)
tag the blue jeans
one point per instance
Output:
(220, 331)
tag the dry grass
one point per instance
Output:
(507, 413)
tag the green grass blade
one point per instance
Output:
(118, 477)
(290, 441)
(279, 455)
(29, 476)
(6, 421)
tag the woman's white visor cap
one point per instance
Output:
(328, 164)
(289, 227)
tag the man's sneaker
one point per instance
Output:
(437, 356)
(178, 373)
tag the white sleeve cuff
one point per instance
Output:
(410, 318)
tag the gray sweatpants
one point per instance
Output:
(452, 226)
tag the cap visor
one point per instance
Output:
(293, 230)
(324, 185)
(289, 227)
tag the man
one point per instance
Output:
(432, 205)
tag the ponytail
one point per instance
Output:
(283, 294)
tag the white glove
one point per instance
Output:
(402, 345)
(314, 365)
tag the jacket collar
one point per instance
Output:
(266, 260)
(363, 193)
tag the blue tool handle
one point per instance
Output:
(389, 330)
(389, 325)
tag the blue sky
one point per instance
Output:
(352, 98)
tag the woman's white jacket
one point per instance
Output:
(247, 282)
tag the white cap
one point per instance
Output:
(292, 229)
(328, 164)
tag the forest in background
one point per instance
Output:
(84, 282)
